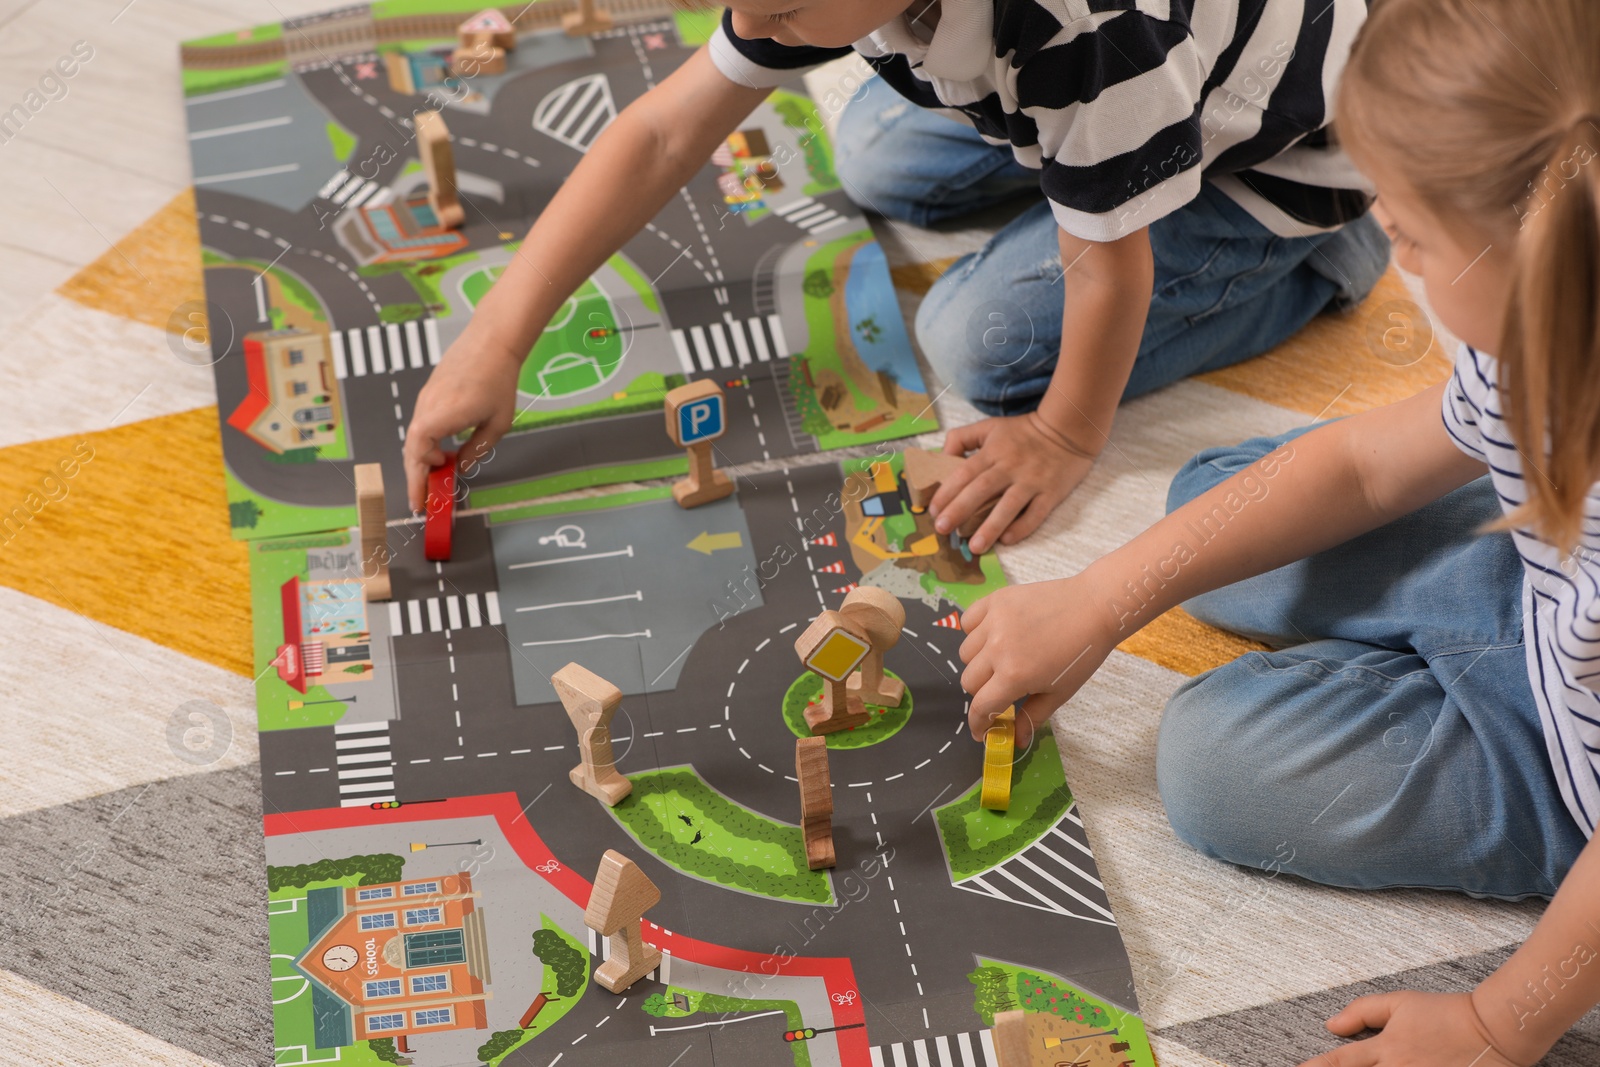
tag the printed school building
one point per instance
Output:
(396, 959)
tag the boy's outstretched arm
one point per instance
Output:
(1043, 641)
(1513, 1017)
(1033, 461)
(643, 158)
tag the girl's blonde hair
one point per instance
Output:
(1490, 111)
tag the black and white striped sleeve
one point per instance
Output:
(1464, 398)
(763, 63)
(1117, 105)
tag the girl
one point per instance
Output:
(1432, 716)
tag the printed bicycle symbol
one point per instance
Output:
(548, 867)
(847, 997)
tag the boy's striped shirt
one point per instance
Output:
(1560, 600)
(1124, 106)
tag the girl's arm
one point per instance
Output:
(1513, 1017)
(641, 161)
(1033, 461)
(1338, 481)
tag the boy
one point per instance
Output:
(1198, 210)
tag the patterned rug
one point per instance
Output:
(130, 835)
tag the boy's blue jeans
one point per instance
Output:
(1394, 739)
(1226, 288)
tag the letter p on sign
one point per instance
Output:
(695, 413)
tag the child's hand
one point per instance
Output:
(1418, 1030)
(474, 386)
(1019, 459)
(1037, 641)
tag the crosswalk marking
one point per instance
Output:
(837, 220)
(375, 348)
(391, 332)
(701, 349)
(742, 347)
(333, 183)
(341, 367)
(940, 1053)
(681, 346)
(810, 215)
(413, 344)
(390, 347)
(709, 345)
(785, 210)
(358, 353)
(430, 333)
(577, 112)
(435, 614)
(779, 343)
(367, 193)
(1042, 876)
(759, 338)
(719, 338)
(366, 765)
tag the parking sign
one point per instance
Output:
(695, 413)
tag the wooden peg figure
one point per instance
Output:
(622, 894)
(816, 800)
(696, 416)
(879, 614)
(831, 648)
(439, 167)
(591, 701)
(373, 517)
(925, 472)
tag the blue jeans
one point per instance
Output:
(1393, 740)
(1226, 288)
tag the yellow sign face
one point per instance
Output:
(838, 654)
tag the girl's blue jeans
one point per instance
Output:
(1392, 739)
(1226, 288)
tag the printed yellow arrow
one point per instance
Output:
(708, 543)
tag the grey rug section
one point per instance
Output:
(1290, 1031)
(149, 904)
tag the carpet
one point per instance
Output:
(131, 930)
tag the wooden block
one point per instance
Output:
(471, 60)
(586, 20)
(439, 166)
(879, 614)
(622, 894)
(590, 700)
(489, 26)
(999, 753)
(597, 774)
(438, 529)
(373, 517)
(925, 471)
(816, 800)
(1011, 1039)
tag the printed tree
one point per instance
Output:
(498, 1043)
(373, 870)
(657, 1004)
(818, 285)
(571, 969)
(383, 1048)
(243, 514)
(993, 994)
